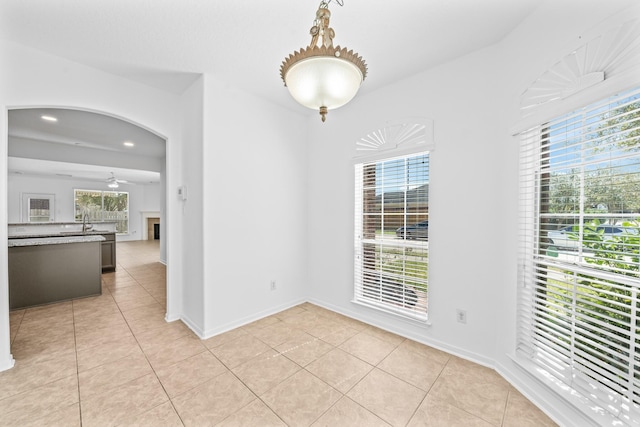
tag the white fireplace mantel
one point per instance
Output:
(145, 216)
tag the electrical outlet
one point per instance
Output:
(273, 285)
(461, 315)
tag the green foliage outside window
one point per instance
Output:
(111, 206)
(603, 308)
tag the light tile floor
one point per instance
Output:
(113, 360)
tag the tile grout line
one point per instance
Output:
(429, 391)
(24, 311)
(75, 347)
(302, 368)
(169, 399)
(506, 406)
(365, 375)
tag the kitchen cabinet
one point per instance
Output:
(47, 270)
(109, 252)
(107, 230)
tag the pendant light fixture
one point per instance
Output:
(323, 77)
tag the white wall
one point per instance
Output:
(36, 79)
(191, 111)
(151, 200)
(461, 98)
(254, 194)
(141, 198)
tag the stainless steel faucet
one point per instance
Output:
(85, 220)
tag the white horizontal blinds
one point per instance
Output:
(528, 237)
(391, 234)
(579, 315)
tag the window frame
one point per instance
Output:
(392, 290)
(78, 215)
(568, 302)
(26, 207)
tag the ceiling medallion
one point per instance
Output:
(321, 76)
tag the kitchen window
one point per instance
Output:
(391, 235)
(579, 265)
(111, 206)
(38, 207)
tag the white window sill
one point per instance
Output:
(599, 415)
(417, 318)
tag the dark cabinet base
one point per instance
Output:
(109, 252)
(44, 274)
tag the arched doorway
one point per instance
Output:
(84, 144)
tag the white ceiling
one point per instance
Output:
(168, 43)
(84, 129)
(82, 145)
(80, 172)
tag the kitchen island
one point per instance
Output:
(44, 270)
(107, 229)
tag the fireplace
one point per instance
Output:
(149, 219)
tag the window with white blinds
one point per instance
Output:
(392, 234)
(579, 313)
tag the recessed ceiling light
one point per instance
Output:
(129, 144)
(49, 118)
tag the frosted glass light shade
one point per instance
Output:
(321, 76)
(323, 81)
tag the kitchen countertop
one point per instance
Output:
(39, 241)
(59, 223)
(60, 234)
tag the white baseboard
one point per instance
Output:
(7, 364)
(248, 319)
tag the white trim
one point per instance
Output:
(411, 334)
(209, 333)
(588, 96)
(396, 138)
(583, 407)
(8, 364)
(419, 320)
(25, 208)
(169, 318)
(145, 216)
(192, 325)
(612, 48)
(609, 53)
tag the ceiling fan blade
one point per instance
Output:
(113, 178)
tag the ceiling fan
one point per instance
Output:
(113, 182)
